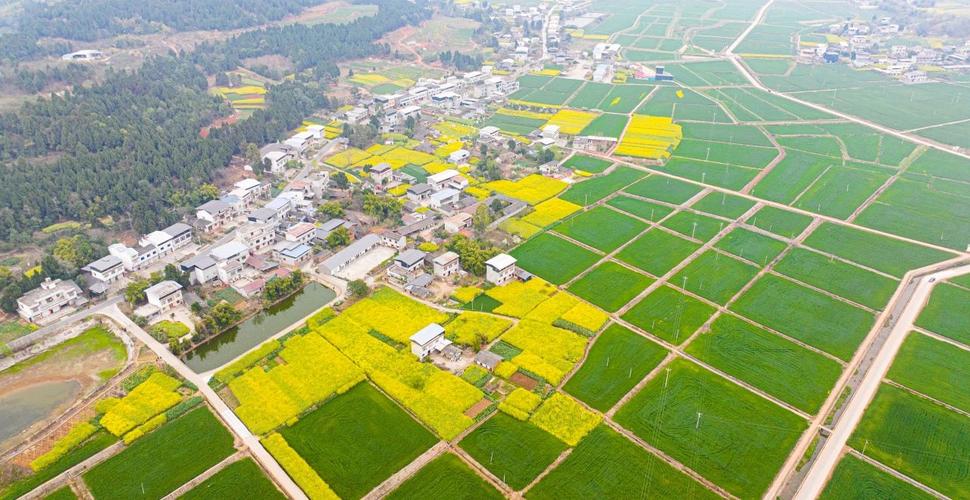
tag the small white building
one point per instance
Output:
(340, 260)
(302, 232)
(107, 269)
(444, 179)
(428, 340)
(458, 222)
(381, 174)
(460, 156)
(50, 298)
(234, 251)
(443, 198)
(446, 264)
(500, 269)
(550, 132)
(162, 297)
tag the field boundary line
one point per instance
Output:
(206, 474)
(405, 473)
(893, 472)
(941, 338)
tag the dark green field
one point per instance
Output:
(754, 247)
(715, 276)
(934, 368)
(663, 188)
(669, 314)
(357, 440)
(617, 361)
(804, 314)
(601, 228)
(694, 225)
(587, 163)
(739, 441)
(657, 251)
(780, 222)
(607, 465)
(610, 286)
(724, 205)
(947, 313)
(872, 250)
(445, 477)
(641, 208)
(515, 451)
(788, 371)
(845, 280)
(536, 256)
(160, 462)
(597, 188)
(917, 437)
(242, 479)
(854, 479)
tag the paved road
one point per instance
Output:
(61, 324)
(905, 311)
(232, 421)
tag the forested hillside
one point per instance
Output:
(126, 147)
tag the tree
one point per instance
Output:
(135, 291)
(382, 207)
(473, 253)
(481, 219)
(496, 206)
(338, 237)
(358, 289)
(331, 209)
(341, 180)
(75, 251)
(173, 273)
(9, 296)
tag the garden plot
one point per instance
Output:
(514, 451)
(854, 478)
(606, 125)
(595, 189)
(780, 367)
(878, 252)
(601, 228)
(929, 212)
(610, 286)
(724, 205)
(242, 479)
(683, 104)
(357, 440)
(657, 251)
(935, 368)
(445, 477)
(160, 462)
(643, 209)
(917, 437)
(840, 191)
(666, 189)
(607, 465)
(715, 276)
(947, 313)
(751, 246)
(733, 177)
(669, 314)
(615, 364)
(726, 433)
(536, 256)
(781, 222)
(806, 315)
(587, 164)
(793, 175)
(732, 134)
(936, 163)
(694, 225)
(752, 105)
(732, 154)
(845, 280)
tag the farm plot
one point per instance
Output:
(934, 368)
(601, 228)
(657, 251)
(806, 315)
(683, 104)
(532, 189)
(607, 465)
(160, 462)
(751, 246)
(845, 280)
(732, 177)
(878, 252)
(590, 96)
(917, 437)
(572, 122)
(732, 134)
(792, 176)
(597, 188)
(669, 314)
(554, 93)
(587, 164)
(662, 188)
(610, 286)
(242, 479)
(357, 440)
(534, 256)
(752, 105)
(515, 125)
(615, 364)
(694, 225)
(781, 222)
(854, 478)
(715, 276)
(665, 414)
(550, 211)
(650, 137)
(640, 208)
(782, 368)
(470, 328)
(445, 477)
(922, 212)
(732, 154)
(706, 73)
(514, 451)
(768, 40)
(936, 163)
(840, 191)
(947, 313)
(723, 204)
(606, 125)
(624, 98)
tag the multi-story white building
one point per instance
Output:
(163, 296)
(107, 269)
(500, 269)
(152, 246)
(50, 298)
(446, 264)
(256, 235)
